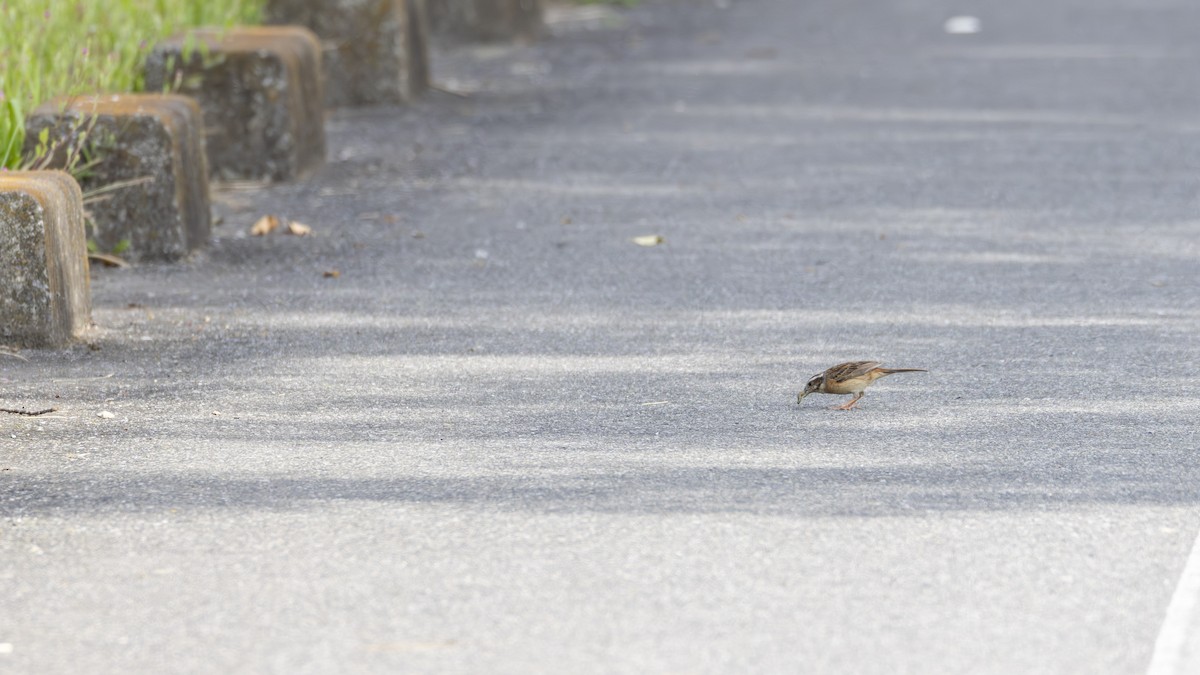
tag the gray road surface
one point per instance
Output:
(507, 439)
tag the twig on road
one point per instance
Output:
(28, 413)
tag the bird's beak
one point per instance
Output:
(800, 397)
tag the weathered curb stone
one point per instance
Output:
(375, 51)
(153, 139)
(45, 294)
(486, 20)
(261, 93)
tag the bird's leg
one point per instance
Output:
(849, 405)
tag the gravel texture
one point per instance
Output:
(505, 438)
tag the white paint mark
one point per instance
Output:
(1172, 653)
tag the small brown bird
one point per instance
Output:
(851, 377)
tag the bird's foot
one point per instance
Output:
(849, 405)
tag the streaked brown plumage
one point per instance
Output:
(851, 377)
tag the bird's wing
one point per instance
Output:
(851, 369)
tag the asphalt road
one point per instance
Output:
(505, 438)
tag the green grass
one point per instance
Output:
(51, 48)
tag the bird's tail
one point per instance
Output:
(889, 371)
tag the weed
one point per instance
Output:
(53, 48)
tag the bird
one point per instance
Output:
(851, 377)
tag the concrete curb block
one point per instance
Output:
(375, 51)
(261, 92)
(152, 143)
(486, 20)
(45, 293)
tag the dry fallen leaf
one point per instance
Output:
(298, 229)
(332, 274)
(108, 260)
(649, 240)
(265, 225)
